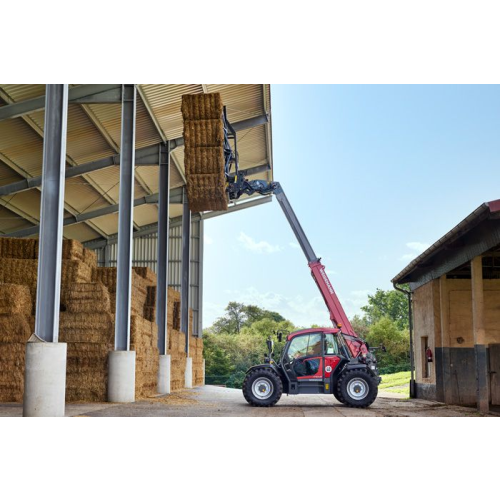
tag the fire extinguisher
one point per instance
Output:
(428, 354)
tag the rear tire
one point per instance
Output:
(262, 387)
(357, 389)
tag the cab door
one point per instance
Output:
(331, 359)
(304, 364)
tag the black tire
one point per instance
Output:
(353, 380)
(270, 383)
(337, 395)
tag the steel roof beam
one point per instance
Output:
(83, 94)
(177, 221)
(143, 157)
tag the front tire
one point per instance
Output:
(357, 388)
(262, 387)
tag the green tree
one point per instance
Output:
(396, 341)
(387, 304)
(360, 325)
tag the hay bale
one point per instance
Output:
(86, 297)
(203, 134)
(147, 274)
(72, 250)
(204, 160)
(18, 248)
(202, 106)
(94, 328)
(89, 257)
(15, 299)
(206, 192)
(16, 328)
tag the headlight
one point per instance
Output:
(373, 367)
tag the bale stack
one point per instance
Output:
(204, 152)
(87, 327)
(108, 277)
(144, 341)
(87, 322)
(15, 330)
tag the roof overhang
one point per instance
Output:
(477, 233)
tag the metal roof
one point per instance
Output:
(94, 134)
(476, 234)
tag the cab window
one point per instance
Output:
(305, 345)
(331, 345)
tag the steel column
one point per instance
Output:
(51, 213)
(186, 264)
(162, 254)
(125, 219)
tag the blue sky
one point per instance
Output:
(375, 175)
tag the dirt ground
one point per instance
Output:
(210, 401)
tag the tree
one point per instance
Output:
(239, 315)
(387, 304)
(396, 341)
(360, 325)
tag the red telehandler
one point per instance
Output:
(315, 361)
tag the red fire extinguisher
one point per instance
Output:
(428, 354)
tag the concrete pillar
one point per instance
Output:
(480, 346)
(189, 373)
(164, 374)
(44, 379)
(121, 377)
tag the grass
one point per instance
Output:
(396, 382)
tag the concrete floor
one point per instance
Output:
(210, 401)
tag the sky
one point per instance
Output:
(375, 175)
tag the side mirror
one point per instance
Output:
(270, 345)
(280, 336)
(382, 348)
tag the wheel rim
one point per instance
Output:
(262, 388)
(357, 388)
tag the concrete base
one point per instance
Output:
(164, 374)
(45, 379)
(189, 374)
(121, 377)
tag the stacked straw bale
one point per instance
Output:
(144, 341)
(15, 330)
(87, 322)
(204, 152)
(108, 277)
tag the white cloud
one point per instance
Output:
(257, 246)
(300, 310)
(294, 245)
(418, 249)
(207, 240)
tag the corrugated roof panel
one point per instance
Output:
(109, 116)
(81, 232)
(241, 101)
(23, 92)
(81, 196)
(165, 102)
(21, 146)
(9, 221)
(7, 175)
(84, 141)
(145, 214)
(108, 224)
